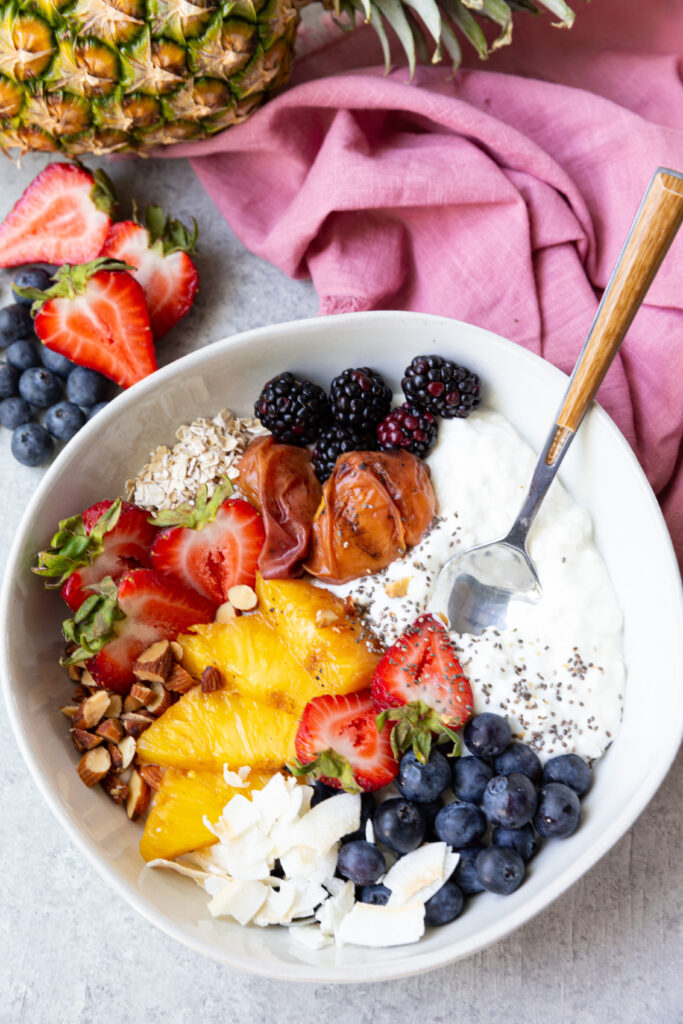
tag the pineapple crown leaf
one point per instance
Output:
(94, 624)
(194, 515)
(172, 234)
(103, 193)
(70, 280)
(416, 726)
(72, 546)
(328, 764)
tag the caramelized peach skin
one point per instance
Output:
(278, 479)
(374, 506)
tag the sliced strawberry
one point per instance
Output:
(217, 549)
(420, 685)
(118, 622)
(62, 217)
(160, 254)
(96, 315)
(106, 540)
(338, 742)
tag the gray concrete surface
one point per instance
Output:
(72, 952)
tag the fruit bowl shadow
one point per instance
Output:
(601, 473)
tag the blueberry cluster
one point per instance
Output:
(44, 397)
(357, 415)
(505, 803)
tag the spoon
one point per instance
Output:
(474, 589)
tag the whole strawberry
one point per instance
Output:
(159, 253)
(95, 314)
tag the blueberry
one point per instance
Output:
(500, 869)
(470, 778)
(509, 800)
(9, 380)
(40, 387)
(23, 354)
(56, 362)
(31, 444)
(361, 862)
(367, 809)
(85, 387)
(15, 323)
(559, 811)
(571, 770)
(378, 895)
(399, 824)
(93, 411)
(14, 412)
(523, 840)
(32, 277)
(63, 420)
(519, 758)
(487, 735)
(423, 782)
(321, 791)
(444, 905)
(465, 874)
(460, 824)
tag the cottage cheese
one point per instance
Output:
(556, 672)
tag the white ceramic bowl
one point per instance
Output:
(600, 472)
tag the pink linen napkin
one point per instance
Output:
(484, 196)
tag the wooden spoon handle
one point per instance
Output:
(652, 232)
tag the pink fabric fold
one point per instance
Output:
(484, 196)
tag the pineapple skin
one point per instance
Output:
(175, 823)
(100, 76)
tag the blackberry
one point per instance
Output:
(441, 386)
(334, 442)
(409, 428)
(360, 398)
(295, 411)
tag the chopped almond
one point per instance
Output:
(127, 748)
(242, 597)
(94, 765)
(88, 679)
(115, 706)
(176, 650)
(111, 729)
(139, 794)
(154, 664)
(225, 612)
(131, 704)
(80, 693)
(84, 740)
(116, 755)
(141, 693)
(91, 710)
(115, 788)
(74, 673)
(212, 679)
(136, 722)
(152, 774)
(179, 680)
(161, 699)
(69, 710)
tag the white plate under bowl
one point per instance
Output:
(600, 472)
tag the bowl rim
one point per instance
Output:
(305, 971)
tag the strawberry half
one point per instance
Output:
(63, 217)
(117, 622)
(338, 742)
(160, 253)
(215, 546)
(419, 684)
(108, 538)
(96, 315)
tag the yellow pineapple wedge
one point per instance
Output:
(175, 823)
(256, 663)
(336, 650)
(209, 730)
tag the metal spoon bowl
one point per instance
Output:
(474, 589)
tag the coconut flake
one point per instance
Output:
(420, 874)
(370, 925)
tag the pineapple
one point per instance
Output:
(97, 76)
(333, 647)
(175, 823)
(252, 657)
(209, 730)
